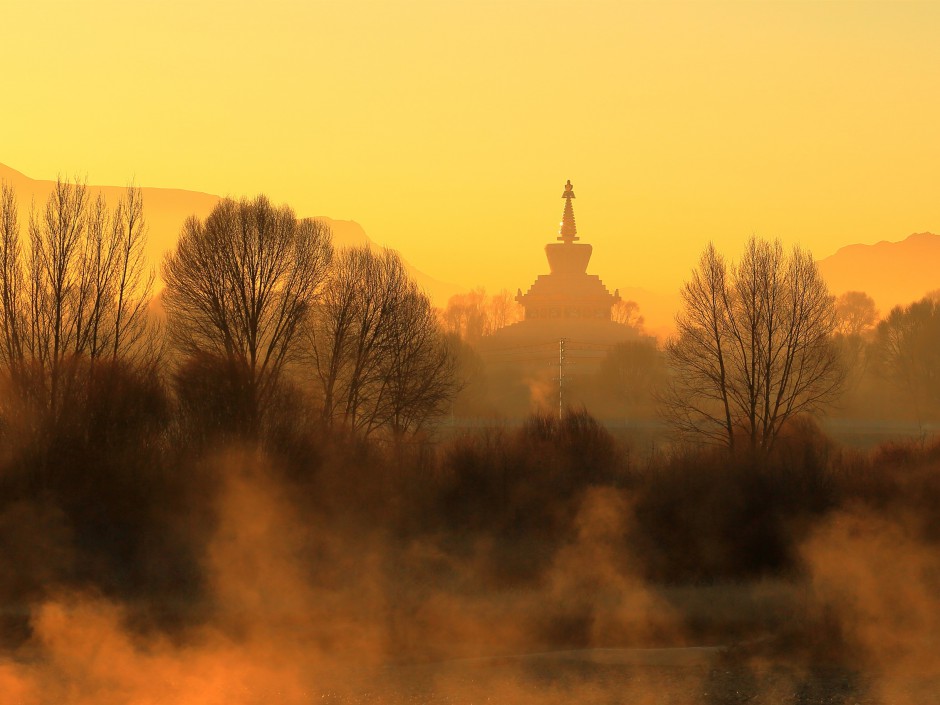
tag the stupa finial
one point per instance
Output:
(568, 232)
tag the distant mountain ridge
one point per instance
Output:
(165, 211)
(892, 273)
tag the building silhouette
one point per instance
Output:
(567, 327)
(568, 292)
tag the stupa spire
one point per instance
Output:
(568, 232)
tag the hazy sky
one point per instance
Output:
(447, 129)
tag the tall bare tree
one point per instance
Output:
(421, 378)
(380, 358)
(12, 293)
(131, 276)
(76, 293)
(753, 346)
(239, 286)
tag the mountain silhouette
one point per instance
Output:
(892, 273)
(165, 211)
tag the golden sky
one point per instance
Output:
(447, 129)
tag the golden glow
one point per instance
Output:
(448, 129)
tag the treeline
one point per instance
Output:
(112, 394)
(788, 348)
(114, 415)
(695, 514)
(624, 385)
(258, 316)
(131, 508)
(894, 362)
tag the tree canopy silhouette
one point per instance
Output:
(380, 356)
(239, 286)
(907, 353)
(75, 293)
(856, 313)
(476, 314)
(754, 346)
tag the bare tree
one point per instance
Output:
(502, 310)
(856, 313)
(753, 346)
(79, 291)
(12, 294)
(631, 377)
(475, 314)
(58, 279)
(239, 287)
(856, 316)
(131, 277)
(421, 377)
(465, 315)
(907, 353)
(379, 355)
(627, 313)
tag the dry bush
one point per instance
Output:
(519, 490)
(706, 515)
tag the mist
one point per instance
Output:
(489, 569)
(300, 482)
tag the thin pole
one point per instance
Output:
(561, 378)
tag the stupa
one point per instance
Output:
(568, 291)
(566, 304)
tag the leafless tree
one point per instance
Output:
(907, 353)
(77, 293)
(503, 310)
(856, 316)
(856, 313)
(380, 358)
(465, 315)
(421, 378)
(346, 336)
(239, 286)
(631, 377)
(753, 347)
(476, 314)
(627, 313)
(131, 331)
(12, 294)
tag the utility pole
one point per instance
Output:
(561, 378)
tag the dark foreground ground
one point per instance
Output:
(647, 678)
